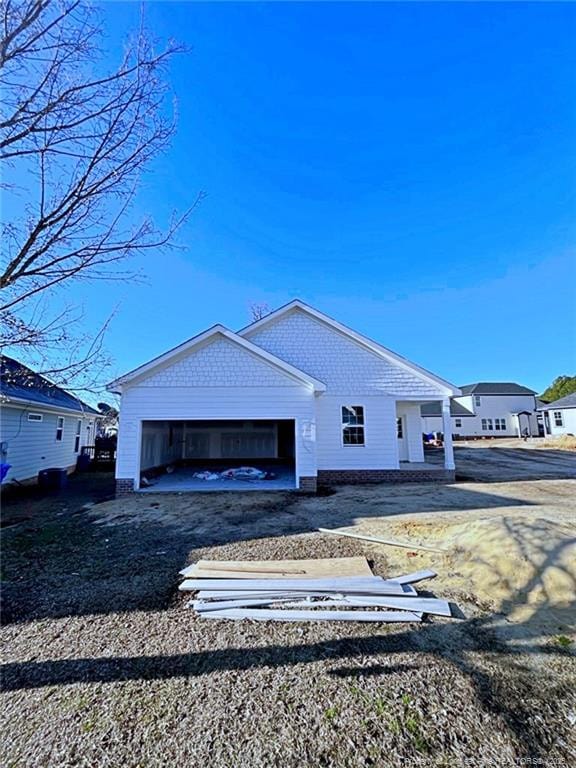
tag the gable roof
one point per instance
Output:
(568, 401)
(435, 409)
(204, 338)
(496, 388)
(363, 341)
(22, 384)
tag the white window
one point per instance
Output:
(477, 400)
(35, 417)
(59, 428)
(558, 421)
(77, 436)
(487, 425)
(457, 422)
(399, 428)
(352, 425)
(500, 424)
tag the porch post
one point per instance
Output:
(447, 431)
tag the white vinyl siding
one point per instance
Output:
(380, 450)
(32, 446)
(567, 419)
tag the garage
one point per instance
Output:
(217, 455)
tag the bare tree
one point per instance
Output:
(258, 311)
(75, 138)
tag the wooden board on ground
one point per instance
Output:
(377, 540)
(270, 569)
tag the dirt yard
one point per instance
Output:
(104, 665)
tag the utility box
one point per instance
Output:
(52, 479)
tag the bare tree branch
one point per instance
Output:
(258, 311)
(84, 133)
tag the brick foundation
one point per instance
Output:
(353, 476)
(124, 487)
(307, 484)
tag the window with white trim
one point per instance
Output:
(35, 417)
(457, 422)
(487, 425)
(477, 400)
(399, 428)
(59, 428)
(353, 425)
(500, 424)
(558, 420)
(77, 436)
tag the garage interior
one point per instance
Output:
(190, 455)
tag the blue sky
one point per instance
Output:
(406, 168)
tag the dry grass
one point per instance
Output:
(563, 443)
(105, 666)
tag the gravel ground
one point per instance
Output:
(104, 665)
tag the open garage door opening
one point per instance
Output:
(217, 455)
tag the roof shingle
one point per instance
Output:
(19, 381)
(568, 401)
(435, 409)
(496, 388)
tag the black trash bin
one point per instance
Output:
(83, 462)
(53, 479)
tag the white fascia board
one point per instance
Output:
(33, 406)
(552, 407)
(364, 341)
(203, 338)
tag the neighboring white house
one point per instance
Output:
(490, 409)
(560, 416)
(295, 386)
(432, 418)
(41, 425)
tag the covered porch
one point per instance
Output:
(412, 454)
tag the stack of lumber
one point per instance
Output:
(337, 589)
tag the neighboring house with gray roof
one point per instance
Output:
(432, 417)
(41, 425)
(560, 416)
(488, 409)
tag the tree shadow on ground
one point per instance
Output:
(464, 640)
(73, 564)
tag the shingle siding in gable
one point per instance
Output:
(342, 364)
(220, 363)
